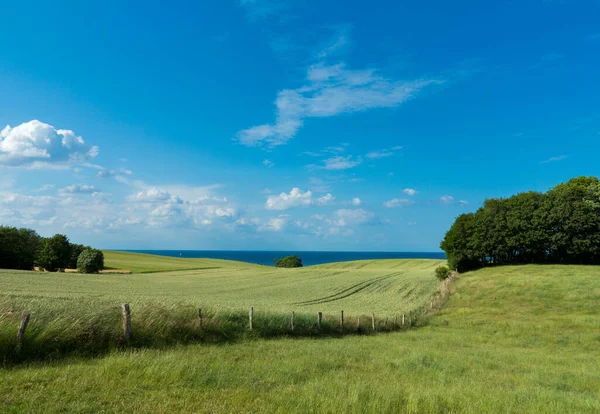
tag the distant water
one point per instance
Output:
(308, 258)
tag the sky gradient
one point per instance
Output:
(288, 125)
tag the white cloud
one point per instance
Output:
(397, 202)
(341, 163)
(38, 145)
(554, 159)
(463, 202)
(410, 191)
(295, 198)
(268, 163)
(119, 175)
(447, 199)
(387, 152)
(154, 194)
(356, 201)
(330, 90)
(412, 223)
(78, 189)
(346, 217)
(275, 224)
(326, 200)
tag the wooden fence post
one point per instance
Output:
(293, 319)
(402, 319)
(22, 327)
(200, 316)
(251, 316)
(373, 321)
(126, 321)
(342, 321)
(319, 319)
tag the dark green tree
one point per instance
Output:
(76, 250)
(54, 253)
(90, 261)
(18, 248)
(289, 261)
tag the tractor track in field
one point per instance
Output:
(349, 291)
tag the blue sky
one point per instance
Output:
(313, 125)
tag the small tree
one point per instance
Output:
(289, 261)
(54, 253)
(90, 261)
(442, 272)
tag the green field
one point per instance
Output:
(510, 339)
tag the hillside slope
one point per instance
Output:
(511, 339)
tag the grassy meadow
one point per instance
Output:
(509, 339)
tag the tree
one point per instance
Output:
(289, 261)
(76, 250)
(18, 248)
(559, 226)
(442, 272)
(54, 253)
(90, 261)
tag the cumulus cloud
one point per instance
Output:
(345, 217)
(397, 202)
(330, 90)
(356, 201)
(78, 189)
(119, 175)
(35, 144)
(274, 224)
(447, 199)
(297, 198)
(410, 191)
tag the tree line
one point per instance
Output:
(559, 226)
(24, 249)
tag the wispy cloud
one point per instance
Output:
(447, 199)
(268, 163)
(554, 159)
(78, 189)
(330, 90)
(387, 152)
(341, 162)
(410, 191)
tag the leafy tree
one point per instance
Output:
(289, 261)
(90, 261)
(76, 250)
(54, 253)
(560, 226)
(18, 248)
(442, 272)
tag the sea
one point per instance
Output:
(309, 258)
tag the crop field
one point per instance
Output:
(73, 312)
(510, 339)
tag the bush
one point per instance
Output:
(90, 261)
(442, 272)
(54, 253)
(289, 261)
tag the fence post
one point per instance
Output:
(373, 321)
(293, 319)
(200, 316)
(126, 321)
(402, 319)
(251, 316)
(319, 319)
(342, 321)
(24, 322)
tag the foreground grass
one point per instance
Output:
(511, 339)
(77, 313)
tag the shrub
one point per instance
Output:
(289, 261)
(442, 272)
(90, 261)
(54, 253)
